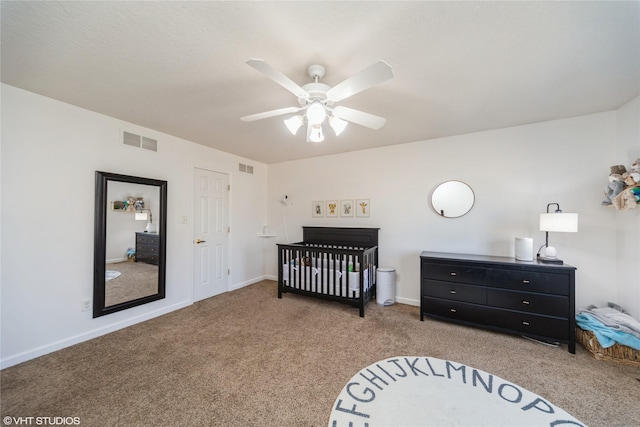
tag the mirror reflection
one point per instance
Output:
(452, 199)
(132, 242)
(129, 242)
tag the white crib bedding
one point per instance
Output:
(312, 279)
(332, 264)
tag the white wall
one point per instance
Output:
(628, 221)
(50, 152)
(514, 172)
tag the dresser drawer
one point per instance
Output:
(147, 248)
(454, 273)
(531, 324)
(551, 305)
(454, 291)
(460, 311)
(147, 239)
(147, 257)
(529, 281)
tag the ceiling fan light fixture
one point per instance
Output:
(317, 100)
(315, 133)
(338, 125)
(316, 113)
(294, 123)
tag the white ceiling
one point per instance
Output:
(460, 67)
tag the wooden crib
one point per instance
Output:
(331, 263)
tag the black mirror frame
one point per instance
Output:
(100, 240)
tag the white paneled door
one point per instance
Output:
(210, 234)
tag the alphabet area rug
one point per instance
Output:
(425, 391)
(111, 274)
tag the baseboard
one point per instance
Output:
(250, 282)
(408, 301)
(77, 339)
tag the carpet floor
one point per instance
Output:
(247, 358)
(136, 280)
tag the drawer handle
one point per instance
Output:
(525, 302)
(453, 310)
(453, 273)
(525, 281)
(525, 323)
(452, 292)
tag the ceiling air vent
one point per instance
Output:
(137, 141)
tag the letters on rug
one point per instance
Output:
(425, 391)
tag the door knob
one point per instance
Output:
(198, 241)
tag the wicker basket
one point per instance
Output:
(616, 353)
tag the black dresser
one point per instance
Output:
(500, 293)
(147, 247)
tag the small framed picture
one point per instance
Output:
(317, 209)
(346, 208)
(332, 209)
(362, 208)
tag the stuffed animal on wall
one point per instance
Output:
(613, 188)
(631, 179)
(623, 189)
(617, 169)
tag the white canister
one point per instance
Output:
(524, 248)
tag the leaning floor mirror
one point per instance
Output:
(130, 242)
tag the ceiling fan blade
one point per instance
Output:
(267, 114)
(370, 76)
(359, 117)
(278, 77)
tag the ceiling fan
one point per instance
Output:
(317, 99)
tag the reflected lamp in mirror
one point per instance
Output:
(142, 215)
(452, 199)
(558, 222)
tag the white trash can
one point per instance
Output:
(386, 286)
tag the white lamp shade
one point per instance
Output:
(315, 133)
(316, 113)
(294, 123)
(337, 124)
(141, 216)
(559, 222)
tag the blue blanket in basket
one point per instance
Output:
(606, 335)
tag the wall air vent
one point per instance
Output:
(137, 141)
(245, 168)
(149, 144)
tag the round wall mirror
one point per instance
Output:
(452, 199)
